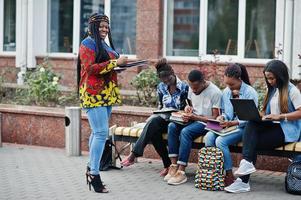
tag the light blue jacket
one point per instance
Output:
(245, 92)
(291, 129)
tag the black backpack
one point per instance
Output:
(293, 176)
(106, 162)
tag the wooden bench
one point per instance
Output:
(131, 135)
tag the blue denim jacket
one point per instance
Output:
(291, 129)
(245, 92)
(175, 100)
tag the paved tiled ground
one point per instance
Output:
(28, 172)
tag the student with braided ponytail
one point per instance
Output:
(98, 90)
(172, 93)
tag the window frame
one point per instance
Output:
(2, 52)
(107, 9)
(76, 32)
(203, 56)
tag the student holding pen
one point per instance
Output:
(204, 98)
(238, 86)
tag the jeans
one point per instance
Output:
(223, 142)
(260, 136)
(98, 118)
(180, 139)
(152, 132)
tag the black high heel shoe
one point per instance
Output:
(87, 174)
(96, 183)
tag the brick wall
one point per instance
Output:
(7, 68)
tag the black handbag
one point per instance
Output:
(106, 162)
(293, 176)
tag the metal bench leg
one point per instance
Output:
(112, 133)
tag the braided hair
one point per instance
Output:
(93, 31)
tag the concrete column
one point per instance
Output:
(36, 30)
(73, 131)
(21, 39)
(296, 45)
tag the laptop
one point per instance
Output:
(246, 109)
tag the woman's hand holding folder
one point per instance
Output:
(122, 60)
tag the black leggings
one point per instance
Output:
(260, 136)
(152, 132)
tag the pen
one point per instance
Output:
(187, 102)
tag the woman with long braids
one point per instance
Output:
(98, 90)
(282, 105)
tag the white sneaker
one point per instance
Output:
(238, 187)
(245, 168)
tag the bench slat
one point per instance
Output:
(136, 132)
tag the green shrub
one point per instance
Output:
(42, 85)
(260, 87)
(145, 84)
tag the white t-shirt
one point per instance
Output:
(204, 102)
(294, 95)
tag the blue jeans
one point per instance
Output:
(99, 122)
(180, 140)
(223, 142)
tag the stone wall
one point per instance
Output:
(46, 127)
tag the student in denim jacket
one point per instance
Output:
(172, 93)
(282, 104)
(238, 86)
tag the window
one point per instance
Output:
(222, 26)
(60, 29)
(260, 29)
(88, 7)
(183, 27)
(9, 32)
(237, 28)
(123, 25)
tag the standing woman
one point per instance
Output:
(282, 104)
(98, 90)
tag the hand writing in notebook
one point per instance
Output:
(188, 108)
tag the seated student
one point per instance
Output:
(172, 93)
(205, 99)
(282, 103)
(238, 86)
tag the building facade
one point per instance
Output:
(189, 33)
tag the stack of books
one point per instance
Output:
(177, 117)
